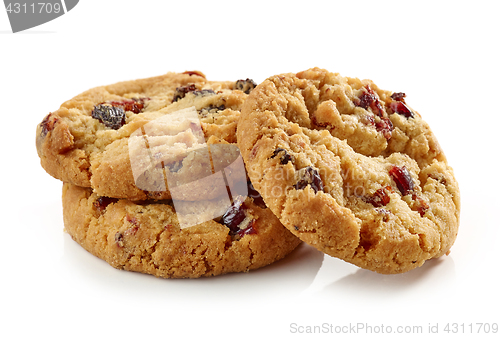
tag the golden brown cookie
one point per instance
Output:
(147, 237)
(138, 139)
(350, 169)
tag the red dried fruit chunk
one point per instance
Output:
(385, 127)
(234, 217)
(102, 202)
(309, 176)
(398, 96)
(47, 124)
(135, 104)
(194, 72)
(403, 179)
(245, 85)
(284, 156)
(111, 116)
(420, 205)
(369, 99)
(380, 197)
(402, 109)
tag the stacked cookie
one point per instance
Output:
(154, 181)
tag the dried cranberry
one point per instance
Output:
(245, 85)
(369, 99)
(111, 116)
(102, 202)
(403, 179)
(385, 127)
(398, 96)
(47, 124)
(420, 205)
(181, 92)
(196, 73)
(380, 197)
(284, 156)
(309, 176)
(234, 217)
(402, 109)
(135, 104)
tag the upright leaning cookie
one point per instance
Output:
(350, 169)
(159, 124)
(147, 236)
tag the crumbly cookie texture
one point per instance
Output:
(146, 236)
(86, 142)
(350, 169)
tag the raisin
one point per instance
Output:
(403, 179)
(234, 217)
(47, 124)
(211, 109)
(380, 197)
(398, 96)
(135, 104)
(204, 92)
(245, 85)
(369, 99)
(119, 239)
(309, 176)
(102, 202)
(181, 92)
(284, 156)
(111, 116)
(385, 127)
(402, 109)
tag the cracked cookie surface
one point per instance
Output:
(86, 142)
(350, 169)
(147, 237)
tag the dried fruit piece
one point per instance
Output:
(284, 156)
(204, 92)
(369, 99)
(119, 239)
(111, 116)
(245, 85)
(134, 105)
(420, 205)
(47, 124)
(402, 109)
(235, 218)
(380, 197)
(385, 127)
(181, 92)
(194, 72)
(402, 178)
(398, 96)
(102, 202)
(309, 176)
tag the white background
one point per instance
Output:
(444, 55)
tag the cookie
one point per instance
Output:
(140, 139)
(149, 237)
(350, 169)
